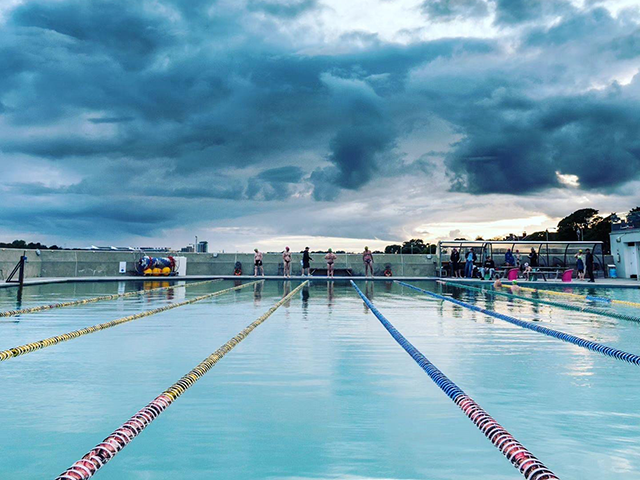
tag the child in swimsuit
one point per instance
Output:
(286, 257)
(330, 258)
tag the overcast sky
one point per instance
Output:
(322, 122)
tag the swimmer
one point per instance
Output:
(330, 258)
(367, 258)
(257, 259)
(497, 284)
(515, 289)
(286, 258)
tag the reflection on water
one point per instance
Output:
(257, 292)
(330, 293)
(305, 300)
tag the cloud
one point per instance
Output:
(511, 12)
(243, 110)
(288, 9)
(448, 10)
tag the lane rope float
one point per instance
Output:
(48, 342)
(565, 337)
(566, 306)
(581, 297)
(526, 463)
(97, 457)
(40, 308)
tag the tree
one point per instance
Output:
(579, 221)
(600, 230)
(634, 215)
(414, 246)
(393, 249)
(21, 244)
(589, 224)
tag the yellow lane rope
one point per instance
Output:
(47, 342)
(39, 308)
(88, 465)
(574, 295)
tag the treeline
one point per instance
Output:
(412, 247)
(21, 244)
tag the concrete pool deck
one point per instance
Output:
(607, 282)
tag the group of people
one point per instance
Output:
(585, 260)
(513, 260)
(330, 258)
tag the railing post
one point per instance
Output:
(23, 260)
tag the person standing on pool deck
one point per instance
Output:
(330, 258)
(455, 262)
(589, 264)
(306, 261)
(257, 260)
(468, 266)
(367, 258)
(580, 265)
(286, 258)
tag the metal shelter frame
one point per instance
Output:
(484, 248)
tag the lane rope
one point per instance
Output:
(40, 308)
(97, 457)
(526, 463)
(566, 306)
(48, 342)
(566, 337)
(581, 297)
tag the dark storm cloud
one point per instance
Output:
(507, 12)
(507, 150)
(516, 143)
(448, 10)
(190, 101)
(512, 12)
(283, 9)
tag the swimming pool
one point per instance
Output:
(320, 390)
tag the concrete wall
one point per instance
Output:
(82, 263)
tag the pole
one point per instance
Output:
(23, 260)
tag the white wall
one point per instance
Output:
(625, 248)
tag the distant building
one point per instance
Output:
(203, 247)
(625, 246)
(187, 249)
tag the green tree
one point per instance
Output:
(581, 220)
(414, 246)
(600, 230)
(393, 249)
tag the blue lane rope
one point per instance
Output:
(597, 299)
(566, 306)
(566, 337)
(526, 463)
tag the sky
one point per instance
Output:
(264, 123)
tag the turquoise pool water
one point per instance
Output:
(320, 390)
